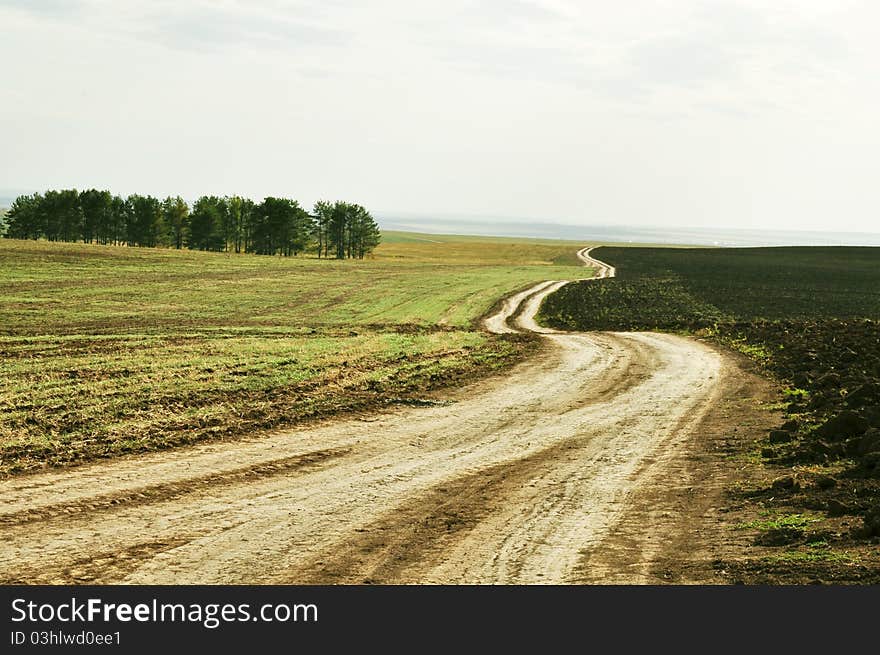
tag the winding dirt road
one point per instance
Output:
(516, 480)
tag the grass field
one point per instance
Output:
(109, 350)
(810, 317)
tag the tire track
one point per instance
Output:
(169, 490)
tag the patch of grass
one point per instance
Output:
(813, 553)
(774, 521)
(751, 455)
(758, 351)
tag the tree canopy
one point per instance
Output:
(275, 226)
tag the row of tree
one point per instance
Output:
(275, 226)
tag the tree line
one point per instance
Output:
(275, 226)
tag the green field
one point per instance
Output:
(108, 350)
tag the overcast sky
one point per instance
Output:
(695, 113)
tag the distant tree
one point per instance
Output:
(146, 226)
(95, 206)
(364, 231)
(338, 228)
(301, 232)
(239, 211)
(347, 229)
(175, 212)
(227, 225)
(70, 215)
(50, 215)
(247, 213)
(280, 226)
(24, 219)
(269, 220)
(117, 223)
(322, 214)
(207, 223)
(61, 215)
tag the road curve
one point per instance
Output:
(517, 312)
(516, 480)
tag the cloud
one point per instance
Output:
(195, 25)
(679, 62)
(716, 53)
(502, 12)
(45, 7)
(213, 29)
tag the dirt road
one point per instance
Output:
(517, 479)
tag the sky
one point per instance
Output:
(739, 114)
